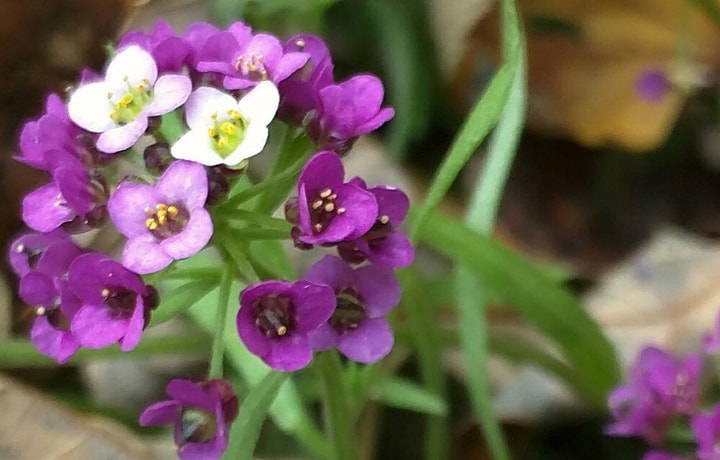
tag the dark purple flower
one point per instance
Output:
(706, 428)
(170, 52)
(201, 412)
(74, 195)
(164, 222)
(652, 85)
(300, 93)
(51, 334)
(659, 387)
(115, 304)
(27, 249)
(348, 110)
(275, 318)
(52, 132)
(328, 209)
(383, 244)
(661, 455)
(357, 328)
(245, 59)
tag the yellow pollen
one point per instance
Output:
(149, 210)
(223, 143)
(325, 193)
(105, 292)
(125, 101)
(281, 331)
(40, 311)
(332, 197)
(214, 115)
(212, 132)
(172, 210)
(151, 224)
(317, 204)
(228, 128)
(235, 114)
(318, 227)
(161, 207)
(384, 219)
(329, 207)
(340, 211)
(114, 116)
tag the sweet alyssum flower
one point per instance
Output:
(115, 304)
(328, 210)
(169, 51)
(275, 318)
(201, 412)
(245, 59)
(706, 428)
(224, 130)
(357, 327)
(383, 245)
(164, 222)
(119, 106)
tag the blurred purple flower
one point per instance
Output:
(652, 85)
(27, 249)
(201, 412)
(706, 428)
(164, 222)
(357, 328)
(275, 318)
(170, 52)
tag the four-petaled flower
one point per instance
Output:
(224, 130)
(275, 318)
(164, 222)
(119, 106)
(201, 412)
(357, 328)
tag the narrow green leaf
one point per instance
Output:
(171, 126)
(178, 299)
(404, 394)
(544, 304)
(245, 431)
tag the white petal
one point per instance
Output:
(134, 63)
(171, 91)
(255, 139)
(203, 103)
(123, 137)
(90, 108)
(195, 146)
(261, 103)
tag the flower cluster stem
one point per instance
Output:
(218, 346)
(338, 419)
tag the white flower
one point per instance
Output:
(119, 106)
(224, 130)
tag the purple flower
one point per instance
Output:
(383, 244)
(51, 132)
(300, 93)
(201, 412)
(245, 59)
(706, 428)
(358, 327)
(652, 85)
(169, 51)
(711, 342)
(27, 249)
(51, 334)
(275, 318)
(74, 195)
(119, 106)
(347, 111)
(661, 455)
(328, 209)
(163, 223)
(659, 387)
(115, 304)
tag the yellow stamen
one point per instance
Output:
(105, 292)
(281, 331)
(172, 210)
(40, 311)
(330, 207)
(228, 128)
(325, 193)
(384, 219)
(317, 204)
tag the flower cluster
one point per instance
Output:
(153, 146)
(662, 391)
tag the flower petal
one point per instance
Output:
(195, 146)
(170, 92)
(143, 254)
(127, 208)
(261, 103)
(95, 327)
(254, 340)
(132, 63)
(314, 304)
(289, 354)
(160, 413)
(332, 271)
(38, 290)
(189, 393)
(183, 182)
(370, 342)
(123, 137)
(194, 237)
(44, 209)
(324, 337)
(90, 108)
(379, 288)
(135, 326)
(57, 344)
(203, 103)
(254, 142)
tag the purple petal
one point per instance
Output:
(392, 202)
(217, 54)
(190, 394)
(58, 257)
(394, 251)
(123, 137)
(359, 216)
(143, 254)
(95, 327)
(194, 237)
(24, 248)
(38, 290)
(161, 413)
(83, 278)
(338, 110)
(323, 170)
(75, 188)
(379, 288)
(289, 354)
(171, 91)
(367, 92)
(370, 342)
(135, 326)
(57, 344)
(183, 182)
(254, 340)
(324, 337)
(332, 271)
(127, 208)
(375, 122)
(44, 209)
(267, 46)
(199, 451)
(314, 305)
(289, 63)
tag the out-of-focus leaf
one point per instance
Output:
(404, 394)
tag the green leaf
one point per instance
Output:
(245, 431)
(404, 394)
(544, 304)
(711, 9)
(178, 299)
(171, 126)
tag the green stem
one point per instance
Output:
(338, 421)
(237, 254)
(218, 346)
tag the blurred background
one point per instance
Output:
(615, 187)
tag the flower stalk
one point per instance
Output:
(218, 347)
